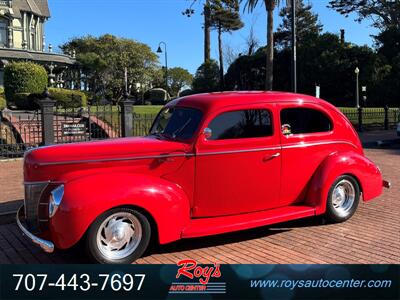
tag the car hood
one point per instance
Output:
(117, 149)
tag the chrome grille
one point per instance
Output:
(33, 193)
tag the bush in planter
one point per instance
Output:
(156, 96)
(68, 98)
(24, 77)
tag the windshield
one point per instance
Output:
(177, 123)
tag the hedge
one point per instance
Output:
(68, 98)
(3, 101)
(24, 77)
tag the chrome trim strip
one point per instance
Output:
(317, 144)
(112, 159)
(47, 246)
(238, 151)
(192, 154)
(36, 182)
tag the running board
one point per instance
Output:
(217, 225)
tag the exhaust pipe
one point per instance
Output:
(386, 184)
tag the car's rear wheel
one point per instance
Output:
(119, 236)
(343, 199)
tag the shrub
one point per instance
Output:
(68, 98)
(26, 101)
(186, 92)
(3, 102)
(24, 77)
(156, 96)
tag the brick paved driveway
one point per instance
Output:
(371, 236)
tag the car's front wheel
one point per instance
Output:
(343, 199)
(118, 236)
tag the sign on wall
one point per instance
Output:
(73, 129)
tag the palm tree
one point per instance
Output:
(270, 6)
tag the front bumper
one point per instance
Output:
(47, 246)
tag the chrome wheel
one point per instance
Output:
(343, 197)
(119, 235)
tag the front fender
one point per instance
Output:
(88, 197)
(341, 163)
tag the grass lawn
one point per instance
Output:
(147, 109)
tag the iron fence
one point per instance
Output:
(142, 123)
(86, 124)
(54, 124)
(372, 118)
(19, 131)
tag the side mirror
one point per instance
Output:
(207, 133)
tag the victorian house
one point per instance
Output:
(22, 38)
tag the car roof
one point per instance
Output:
(212, 101)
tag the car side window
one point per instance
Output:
(304, 120)
(241, 124)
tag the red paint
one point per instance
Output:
(189, 193)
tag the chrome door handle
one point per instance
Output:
(269, 157)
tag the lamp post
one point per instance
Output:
(159, 50)
(357, 72)
(294, 46)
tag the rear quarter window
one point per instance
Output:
(305, 120)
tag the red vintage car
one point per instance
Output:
(211, 164)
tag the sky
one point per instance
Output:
(153, 21)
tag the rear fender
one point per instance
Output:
(340, 163)
(88, 197)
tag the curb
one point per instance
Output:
(381, 143)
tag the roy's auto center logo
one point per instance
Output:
(192, 278)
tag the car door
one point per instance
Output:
(307, 137)
(238, 166)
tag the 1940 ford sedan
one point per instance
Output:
(212, 163)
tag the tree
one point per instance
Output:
(326, 61)
(307, 25)
(251, 41)
(384, 13)
(224, 18)
(105, 58)
(270, 6)
(178, 79)
(388, 46)
(207, 77)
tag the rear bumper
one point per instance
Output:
(47, 246)
(386, 184)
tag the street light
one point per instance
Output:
(357, 71)
(159, 50)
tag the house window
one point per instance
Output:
(3, 33)
(241, 124)
(33, 44)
